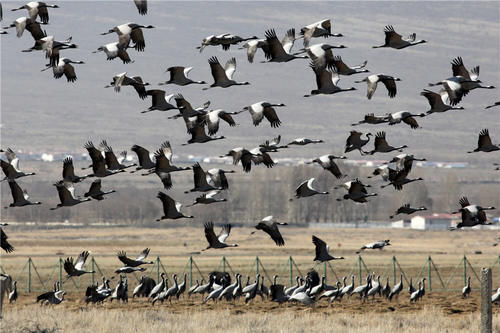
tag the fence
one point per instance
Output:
(30, 280)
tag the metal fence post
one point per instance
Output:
(29, 274)
(359, 268)
(486, 310)
(190, 271)
(256, 265)
(393, 269)
(60, 272)
(158, 269)
(290, 269)
(429, 271)
(92, 275)
(224, 264)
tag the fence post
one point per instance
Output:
(429, 272)
(158, 269)
(324, 269)
(359, 268)
(60, 272)
(290, 269)
(190, 271)
(486, 311)
(256, 265)
(224, 264)
(92, 275)
(29, 274)
(393, 269)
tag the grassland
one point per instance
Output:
(438, 312)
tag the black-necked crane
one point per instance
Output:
(321, 28)
(130, 31)
(405, 161)
(289, 291)
(171, 208)
(122, 255)
(114, 50)
(495, 298)
(66, 192)
(217, 178)
(405, 117)
(343, 69)
(251, 289)
(179, 76)
(20, 196)
(13, 294)
(158, 287)
(11, 167)
(95, 191)
(217, 242)
(411, 288)
(323, 251)
(4, 243)
(304, 141)
(252, 46)
(98, 162)
(458, 69)
(327, 162)
(241, 154)
(396, 289)
(396, 41)
(326, 80)
(305, 189)
(276, 51)
(51, 47)
(200, 180)
(144, 158)
(347, 290)
(263, 109)
(25, 23)
(37, 8)
(194, 287)
(454, 87)
(160, 101)
(211, 119)
(371, 118)
(142, 6)
(227, 292)
(223, 77)
(322, 54)
(381, 145)
(113, 162)
(438, 101)
(406, 209)
(163, 161)
(182, 287)
(399, 178)
(225, 40)
(261, 156)
(493, 105)
(466, 289)
(484, 143)
(355, 142)
(76, 268)
(375, 245)
(273, 144)
(198, 135)
(270, 227)
(303, 298)
(207, 198)
(122, 79)
(417, 294)
(68, 172)
(356, 191)
(128, 270)
(388, 81)
(64, 67)
(471, 215)
(375, 288)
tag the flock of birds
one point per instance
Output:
(327, 69)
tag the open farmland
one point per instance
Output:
(446, 310)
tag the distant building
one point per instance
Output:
(432, 222)
(401, 224)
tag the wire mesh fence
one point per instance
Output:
(37, 278)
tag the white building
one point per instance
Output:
(432, 222)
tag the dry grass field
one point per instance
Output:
(438, 312)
